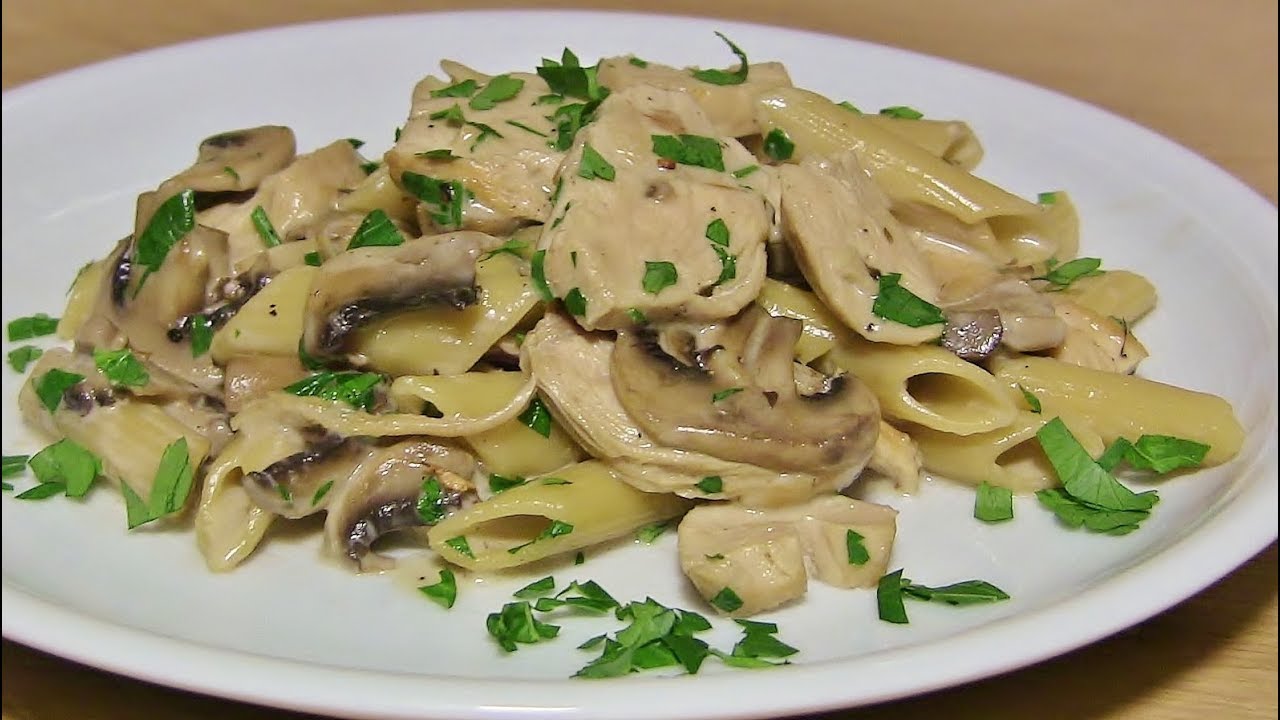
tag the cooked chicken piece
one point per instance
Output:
(731, 108)
(1096, 341)
(761, 555)
(692, 244)
(897, 458)
(293, 198)
(838, 225)
(502, 154)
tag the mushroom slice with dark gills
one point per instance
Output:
(838, 225)
(360, 285)
(236, 160)
(292, 486)
(633, 230)
(412, 483)
(740, 400)
(573, 370)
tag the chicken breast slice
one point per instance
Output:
(838, 225)
(639, 240)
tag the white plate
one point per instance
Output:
(288, 630)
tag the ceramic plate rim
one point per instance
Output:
(1240, 525)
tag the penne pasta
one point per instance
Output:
(951, 140)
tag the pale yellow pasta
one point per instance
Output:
(229, 525)
(379, 192)
(83, 295)
(271, 322)
(926, 385)
(1115, 293)
(1125, 405)
(905, 171)
(448, 341)
(1009, 457)
(782, 300)
(511, 528)
(1052, 231)
(514, 449)
(951, 140)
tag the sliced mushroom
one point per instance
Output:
(291, 486)
(838, 224)
(359, 285)
(237, 160)
(764, 556)
(573, 370)
(740, 401)
(1027, 317)
(406, 485)
(972, 334)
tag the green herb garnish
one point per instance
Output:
(32, 326)
(376, 230)
(464, 89)
(896, 303)
(313, 259)
(556, 529)
(431, 501)
(461, 546)
(499, 483)
(526, 128)
(743, 172)
(1061, 276)
(356, 389)
(695, 150)
(778, 145)
(711, 484)
(855, 549)
(444, 592)
(69, 463)
(1032, 401)
(651, 532)
(537, 418)
(121, 368)
(201, 335)
(594, 165)
(658, 274)
(171, 222)
(263, 225)
(538, 274)
(721, 77)
(726, 600)
(902, 111)
(445, 199)
(53, 384)
(321, 492)
(575, 302)
(20, 358)
(515, 624)
(536, 589)
(726, 393)
(993, 504)
(14, 465)
(500, 88)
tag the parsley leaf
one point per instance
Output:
(169, 490)
(356, 389)
(569, 78)
(526, 128)
(711, 484)
(637, 316)
(594, 165)
(658, 274)
(896, 303)
(556, 529)
(743, 172)
(445, 199)
(1032, 401)
(51, 386)
(1164, 453)
(575, 302)
(121, 367)
(14, 465)
(849, 106)
(32, 326)
(1084, 479)
(461, 546)
(437, 154)
(499, 89)
(20, 358)
(171, 222)
(452, 115)
(536, 589)
(321, 492)
(537, 418)
(902, 111)
(463, 89)
(993, 504)
(968, 592)
(69, 463)
(721, 77)
(499, 483)
(718, 232)
(855, 549)
(43, 491)
(778, 145)
(431, 501)
(538, 274)
(726, 600)
(1061, 276)
(515, 624)
(726, 393)
(638, 62)
(444, 592)
(376, 230)
(510, 247)
(651, 532)
(697, 150)
(889, 599)
(263, 225)
(1047, 198)
(201, 335)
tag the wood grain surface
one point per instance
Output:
(1202, 73)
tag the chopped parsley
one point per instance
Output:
(14, 465)
(437, 154)
(1061, 276)
(263, 225)
(500, 88)
(556, 529)
(658, 275)
(1047, 198)
(594, 165)
(464, 89)
(376, 230)
(893, 588)
(313, 259)
(848, 106)
(452, 115)
(526, 128)
(855, 549)
(889, 599)
(201, 335)
(896, 303)
(499, 483)
(568, 78)
(20, 358)
(718, 234)
(651, 532)
(121, 368)
(43, 491)
(726, 393)
(1157, 453)
(711, 484)
(232, 172)
(515, 624)
(171, 222)
(431, 501)
(357, 389)
(638, 62)
(637, 316)
(993, 504)
(587, 596)
(511, 247)
(444, 592)
(575, 302)
(537, 418)
(1089, 497)
(743, 172)
(722, 77)
(321, 492)
(445, 199)
(697, 150)
(169, 491)
(460, 545)
(53, 384)
(68, 463)
(568, 120)
(1033, 402)
(538, 274)
(32, 326)
(902, 111)
(726, 600)
(778, 145)
(536, 589)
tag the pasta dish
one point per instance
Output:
(571, 304)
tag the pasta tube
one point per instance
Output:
(951, 140)
(271, 322)
(582, 505)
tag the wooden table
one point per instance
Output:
(1203, 73)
